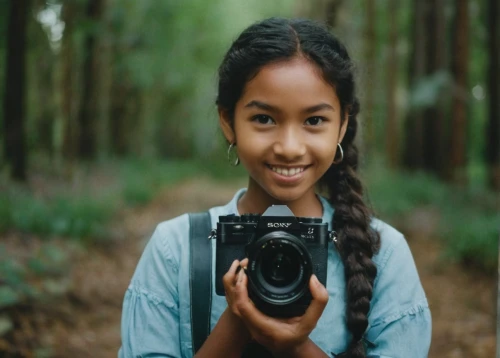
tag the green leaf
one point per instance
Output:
(56, 287)
(5, 325)
(8, 296)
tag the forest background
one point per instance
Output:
(107, 102)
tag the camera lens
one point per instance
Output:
(280, 265)
(279, 268)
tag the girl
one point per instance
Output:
(288, 109)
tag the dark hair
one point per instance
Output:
(276, 40)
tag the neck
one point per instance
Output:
(256, 201)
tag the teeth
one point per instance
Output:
(287, 172)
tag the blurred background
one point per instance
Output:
(108, 126)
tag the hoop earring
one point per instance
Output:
(338, 161)
(234, 162)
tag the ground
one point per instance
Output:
(87, 324)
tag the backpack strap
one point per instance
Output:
(200, 278)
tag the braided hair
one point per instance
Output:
(275, 40)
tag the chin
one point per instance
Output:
(284, 196)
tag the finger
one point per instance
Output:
(238, 294)
(250, 314)
(228, 278)
(244, 262)
(241, 282)
(318, 303)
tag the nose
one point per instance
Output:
(290, 144)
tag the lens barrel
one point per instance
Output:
(280, 267)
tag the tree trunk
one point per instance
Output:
(124, 111)
(459, 105)
(40, 62)
(105, 84)
(87, 139)
(435, 117)
(493, 131)
(370, 60)
(392, 132)
(68, 100)
(332, 8)
(414, 143)
(14, 98)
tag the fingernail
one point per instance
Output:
(315, 279)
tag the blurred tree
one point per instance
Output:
(69, 15)
(332, 8)
(89, 112)
(392, 131)
(459, 105)
(493, 128)
(426, 136)
(326, 11)
(435, 135)
(14, 97)
(414, 148)
(125, 93)
(3, 44)
(41, 60)
(370, 60)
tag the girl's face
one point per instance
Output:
(287, 124)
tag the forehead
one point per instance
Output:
(294, 83)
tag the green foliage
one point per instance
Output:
(41, 274)
(469, 221)
(77, 217)
(5, 325)
(472, 237)
(395, 194)
(471, 227)
(8, 297)
(48, 261)
(13, 285)
(143, 179)
(84, 216)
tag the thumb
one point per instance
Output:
(318, 303)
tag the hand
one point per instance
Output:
(232, 284)
(279, 335)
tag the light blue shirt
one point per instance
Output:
(156, 311)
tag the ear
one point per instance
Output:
(225, 124)
(343, 127)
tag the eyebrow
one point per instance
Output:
(270, 108)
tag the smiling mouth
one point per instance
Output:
(287, 171)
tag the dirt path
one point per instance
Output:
(462, 303)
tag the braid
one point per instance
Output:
(357, 242)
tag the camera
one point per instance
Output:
(283, 252)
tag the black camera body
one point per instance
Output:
(283, 252)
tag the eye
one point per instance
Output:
(314, 121)
(263, 119)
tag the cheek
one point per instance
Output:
(325, 150)
(250, 147)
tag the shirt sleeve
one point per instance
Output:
(150, 313)
(400, 319)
